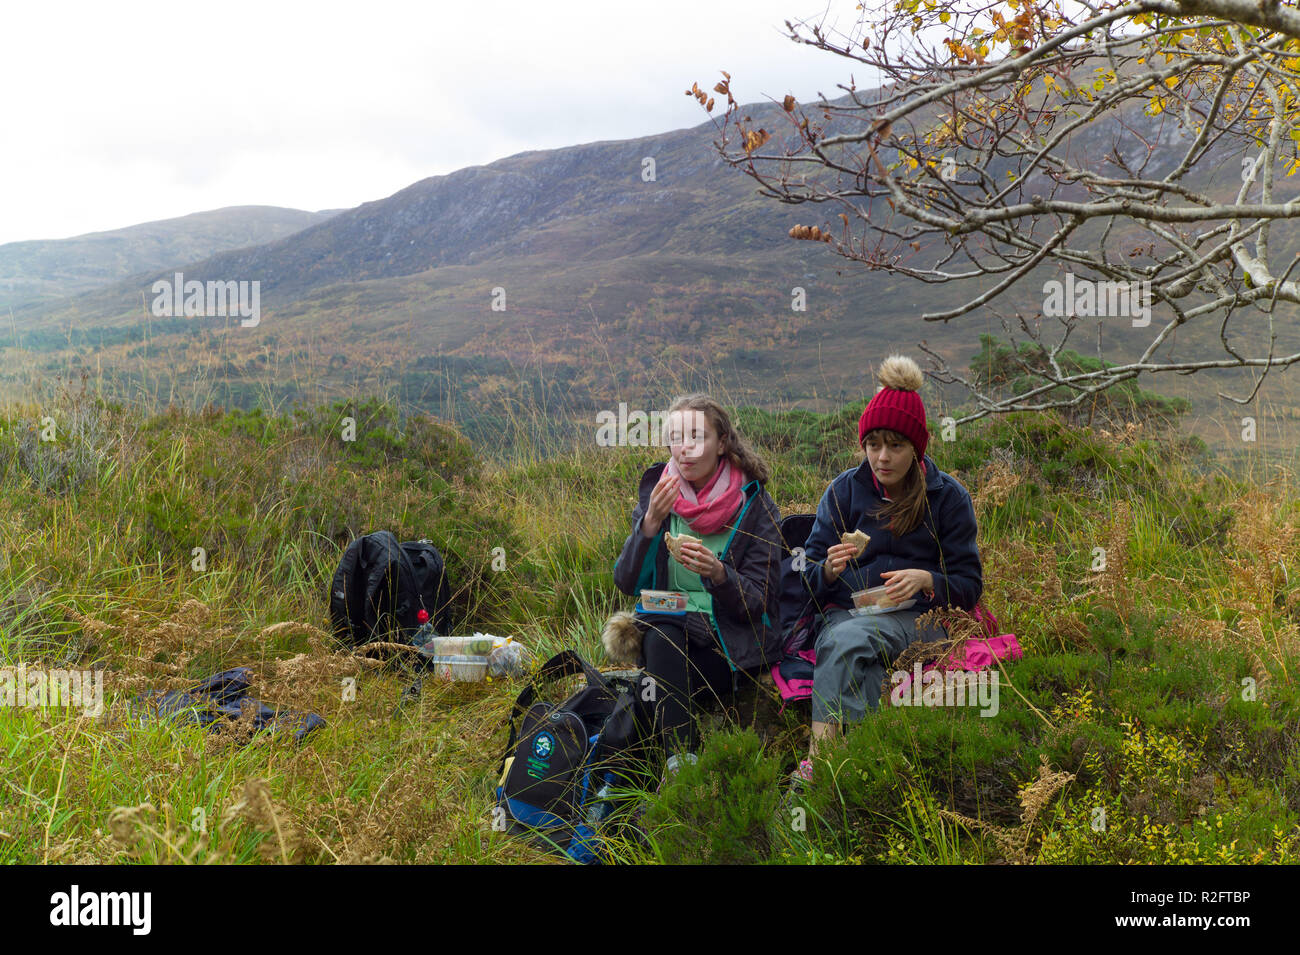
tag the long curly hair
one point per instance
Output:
(738, 450)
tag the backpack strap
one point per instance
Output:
(565, 663)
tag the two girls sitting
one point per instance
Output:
(921, 525)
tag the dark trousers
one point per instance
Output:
(685, 668)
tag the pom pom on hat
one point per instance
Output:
(900, 373)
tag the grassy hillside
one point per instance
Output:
(1161, 690)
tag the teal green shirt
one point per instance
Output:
(687, 581)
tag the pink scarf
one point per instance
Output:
(707, 509)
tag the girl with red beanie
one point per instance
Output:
(922, 528)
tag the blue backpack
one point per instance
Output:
(562, 759)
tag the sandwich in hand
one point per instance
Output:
(675, 542)
(857, 538)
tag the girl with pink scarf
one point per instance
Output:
(726, 571)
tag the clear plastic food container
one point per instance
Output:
(875, 600)
(663, 601)
(460, 667)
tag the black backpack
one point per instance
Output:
(379, 577)
(562, 759)
(798, 609)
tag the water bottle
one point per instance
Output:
(425, 632)
(600, 807)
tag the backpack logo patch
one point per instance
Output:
(539, 764)
(543, 745)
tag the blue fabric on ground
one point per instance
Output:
(224, 695)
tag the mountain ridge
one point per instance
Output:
(39, 272)
(693, 270)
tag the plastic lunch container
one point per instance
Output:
(663, 601)
(872, 597)
(460, 667)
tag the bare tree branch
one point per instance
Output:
(1125, 158)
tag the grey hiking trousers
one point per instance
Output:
(852, 653)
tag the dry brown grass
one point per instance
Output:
(994, 485)
(1114, 585)
(1265, 551)
(1014, 842)
(1023, 575)
(439, 750)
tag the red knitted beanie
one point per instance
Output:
(897, 405)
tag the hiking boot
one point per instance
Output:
(675, 762)
(673, 765)
(802, 777)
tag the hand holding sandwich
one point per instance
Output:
(694, 556)
(852, 544)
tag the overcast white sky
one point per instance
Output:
(119, 113)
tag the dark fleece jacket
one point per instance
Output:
(943, 543)
(746, 605)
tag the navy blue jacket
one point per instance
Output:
(746, 606)
(943, 543)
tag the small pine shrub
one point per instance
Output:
(720, 810)
(960, 760)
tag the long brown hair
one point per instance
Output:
(906, 508)
(738, 451)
